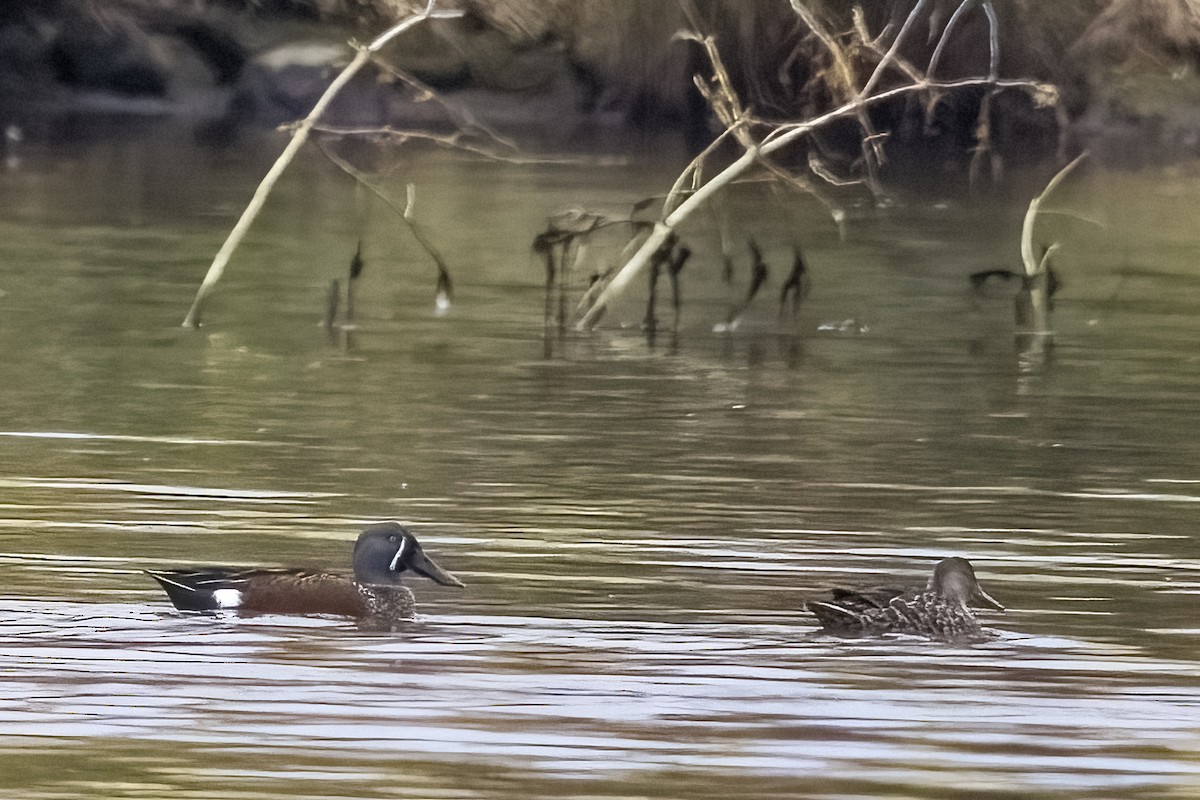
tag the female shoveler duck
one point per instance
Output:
(940, 611)
(381, 554)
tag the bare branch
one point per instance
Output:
(405, 213)
(936, 58)
(298, 139)
(777, 139)
(993, 40)
(664, 229)
(1027, 258)
(895, 48)
(461, 141)
(462, 119)
(872, 156)
(1035, 269)
(1043, 94)
(841, 61)
(692, 173)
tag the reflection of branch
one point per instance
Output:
(445, 288)
(298, 139)
(758, 276)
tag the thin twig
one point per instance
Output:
(692, 172)
(457, 141)
(462, 118)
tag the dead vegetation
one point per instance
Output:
(862, 70)
(841, 74)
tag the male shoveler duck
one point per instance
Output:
(940, 611)
(382, 552)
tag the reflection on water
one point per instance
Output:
(638, 524)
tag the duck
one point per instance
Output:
(940, 611)
(382, 553)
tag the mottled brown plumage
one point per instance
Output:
(940, 611)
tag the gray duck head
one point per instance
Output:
(387, 549)
(954, 579)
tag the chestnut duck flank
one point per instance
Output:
(940, 611)
(382, 553)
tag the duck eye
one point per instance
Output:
(392, 538)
